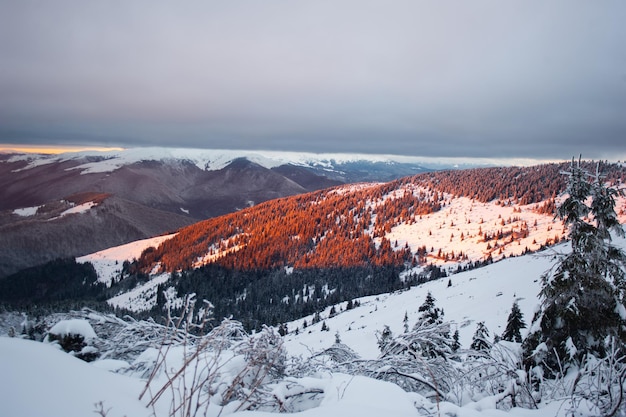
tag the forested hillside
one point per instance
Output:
(352, 225)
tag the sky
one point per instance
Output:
(500, 79)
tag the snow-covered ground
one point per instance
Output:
(81, 208)
(484, 294)
(108, 262)
(26, 211)
(142, 297)
(44, 381)
(461, 224)
(41, 380)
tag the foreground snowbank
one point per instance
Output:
(43, 381)
(40, 380)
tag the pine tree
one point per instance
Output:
(514, 324)
(608, 260)
(316, 318)
(430, 313)
(386, 336)
(480, 340)
(583, 294)
(456, 344)
(406, 322)
(430, 322)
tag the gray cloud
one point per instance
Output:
(480, 78)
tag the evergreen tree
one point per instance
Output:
(316, 318)
(406, 322)
(456, 344)
(384, 339)
(582, 295)
(480, 340)
(430, 322)
(514, 324)
(429, 313)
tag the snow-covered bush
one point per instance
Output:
(225, 368)
(75, 336)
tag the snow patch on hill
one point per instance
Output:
(461, 224)
(81, 208)
(108, 263)
(141, 298)
(26, 211)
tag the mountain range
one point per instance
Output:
(139, 193)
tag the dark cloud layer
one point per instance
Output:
(481, 78)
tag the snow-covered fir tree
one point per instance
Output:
(456, 343)
(384, 338)
(480, 340)
(514, 325)
(582, 296)
(429, 313)
(405, 322)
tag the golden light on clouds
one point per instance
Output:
(53, 149)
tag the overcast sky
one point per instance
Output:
(536, 79)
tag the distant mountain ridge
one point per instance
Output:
(176, 186)
(213, 160)
(175, 177)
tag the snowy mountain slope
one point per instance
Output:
(484, 294)
(461, 232)
(65, 386)
(108, 263)
(76, 227)
(429, 231)
(406, 218)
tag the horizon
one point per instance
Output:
(59, 150)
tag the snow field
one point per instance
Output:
(108, 262)
(483, 294)
(41, 380)
(65, 386)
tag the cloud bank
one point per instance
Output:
(466, 79)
